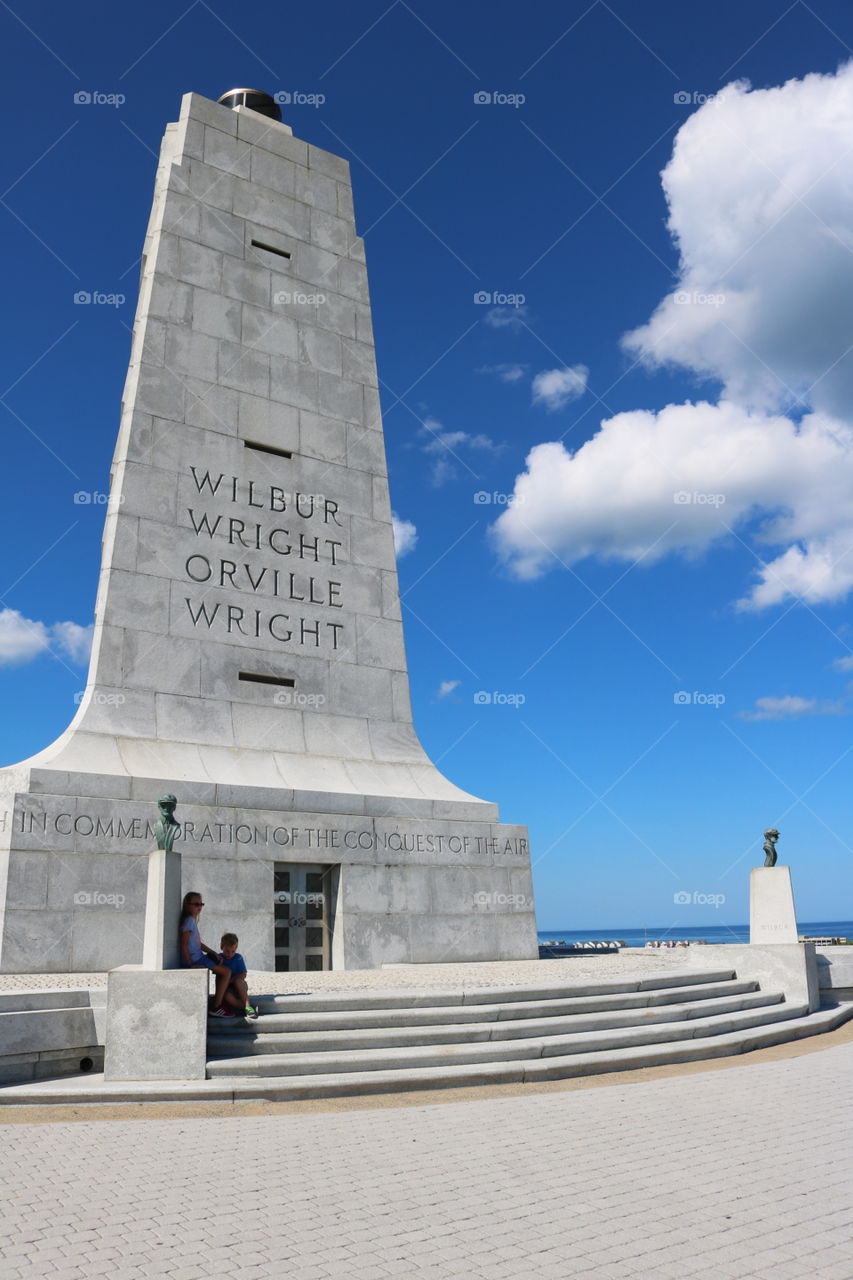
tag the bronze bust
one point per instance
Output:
(166, 827)
(771, 835)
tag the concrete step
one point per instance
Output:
(33, 1031)
(318, 1002)
(63, 998)
(290, 1017)
(252, 1038)
(91, 1089)
(414, 1056)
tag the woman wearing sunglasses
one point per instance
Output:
(195, 955)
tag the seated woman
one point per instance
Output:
(195, 955)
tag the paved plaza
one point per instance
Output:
(739, 1173)
(629, 963)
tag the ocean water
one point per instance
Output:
(708, 933)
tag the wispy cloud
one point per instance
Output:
(446, 448)
(555, 388)
(792, 707)
(405, 535)
(446, 688)
(505, 372)
(506, 317)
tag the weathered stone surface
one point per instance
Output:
(156, 1024)
(772, 916)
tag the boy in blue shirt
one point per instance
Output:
(237, 993)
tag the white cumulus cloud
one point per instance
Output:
(648, 484)
(22, 639)
(405, 535)
(446, 688)
(555, 388)
(759, 190)
(74, 640)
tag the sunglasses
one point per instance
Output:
(196, 904)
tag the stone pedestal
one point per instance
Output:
(156, 1024)
(772, 917)
(160, 947)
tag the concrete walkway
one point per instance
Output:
(740, 1173)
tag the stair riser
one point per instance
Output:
(649, 1056)
(416, 1015)
(482, 995)
(489, 1051)
(259, 1040)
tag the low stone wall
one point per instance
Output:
(790, 967)
(50, 1033)
(835, 972)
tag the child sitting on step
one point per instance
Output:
(237, 992)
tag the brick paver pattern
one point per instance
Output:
(738, 1174)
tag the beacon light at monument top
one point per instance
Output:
(248, 652)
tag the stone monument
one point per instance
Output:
(774, 956)
(772, 917)
(248, 649)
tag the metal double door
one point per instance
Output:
(301, 896)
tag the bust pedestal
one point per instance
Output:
(160, 949)
(772, 917)
(157, 1013)
(156, 1024)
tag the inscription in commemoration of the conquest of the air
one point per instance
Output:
(266, 559)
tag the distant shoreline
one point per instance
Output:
(637, 937)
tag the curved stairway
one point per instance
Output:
(309, 1046)
(367, 1042)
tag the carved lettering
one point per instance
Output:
(102, 824)
(202, 612)
(246, 576)
(205, 482)
(203, 525)
(198, 572)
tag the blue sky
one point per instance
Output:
(599, 601)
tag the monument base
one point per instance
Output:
(405, 879)
(772, 917)
(156, 1024)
